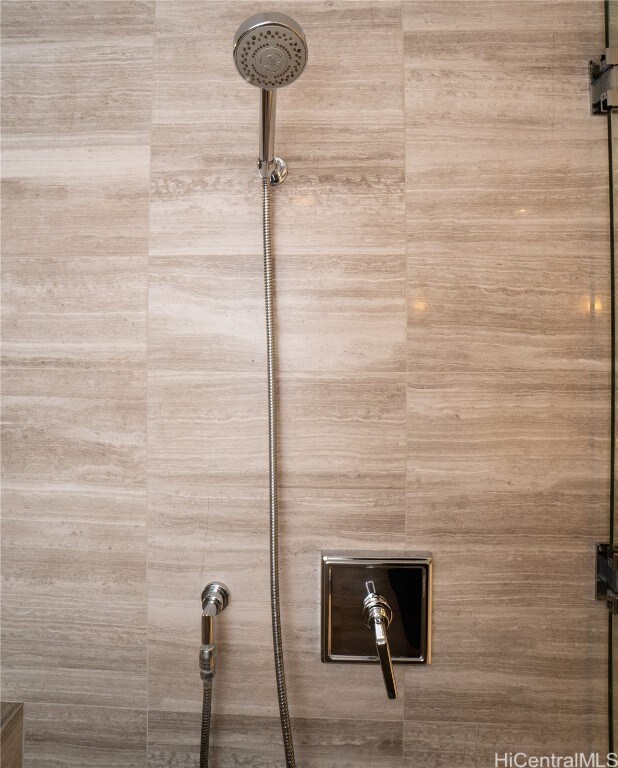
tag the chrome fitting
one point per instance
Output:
(215, 598)
(275, 170)
(208, 661)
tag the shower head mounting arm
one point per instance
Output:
(269, 166)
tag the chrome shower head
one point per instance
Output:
(270, 50)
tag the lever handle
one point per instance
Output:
(377, 615)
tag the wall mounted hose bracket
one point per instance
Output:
(604, 82)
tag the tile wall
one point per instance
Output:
(442, 284)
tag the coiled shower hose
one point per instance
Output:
(205, 732)
(284, 713)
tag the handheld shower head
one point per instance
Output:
(270, 52)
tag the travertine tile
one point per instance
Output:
(316, 520)
(76, 558)
(59, 736)
(336, 431)
(74, 311)
(475, 745)
(436, 148)
(207, 428)
(508, 453)
(341, 313)
(244, 658)
(206, 313)
(255, 741)
(498, 663)
(93, 62)
(333, 314)
(510, 312)
(104, 188)
(507, 236)
(74, 426)
(519, 568)
(342, 431)
(201, 533)
(73, 502)
(89, 21)
(67, 650)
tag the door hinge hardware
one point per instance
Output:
(604, 82)
(607, 566)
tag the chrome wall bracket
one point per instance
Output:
(607, 573)
(276, 170)
(603, 76)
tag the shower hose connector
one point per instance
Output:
(275, 170)
(215, 598)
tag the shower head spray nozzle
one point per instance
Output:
(270, 50)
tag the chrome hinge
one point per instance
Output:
(604, 82)
(607, 562)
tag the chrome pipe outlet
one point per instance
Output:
(215, 599)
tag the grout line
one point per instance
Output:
(147, 360)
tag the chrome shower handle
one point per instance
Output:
(377, 615)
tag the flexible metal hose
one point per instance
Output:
(205, 733)
(284, 714)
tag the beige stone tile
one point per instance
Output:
(493, 225)
(472, 745)
(99, 737)
(240, 741)
(333, 314)
(105, 189)
(498, 663)
(207, 428)
(506, 201)
(341, 313)
(206, 313)
(72, 502)
(66, 650)
(342, 431)
(335, 432)
(77, 558)
(197, 210)
(518, 568)
(95, 65)
(245, 664)
(508, 453)
(494, 43)
(89, 21)
(74, 426)
(512, 312)
(74, 311)
(198, 534)
(583, 16)
(201, 533)
(244, 661)
(330, 520)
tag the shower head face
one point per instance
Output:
(270, 50)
